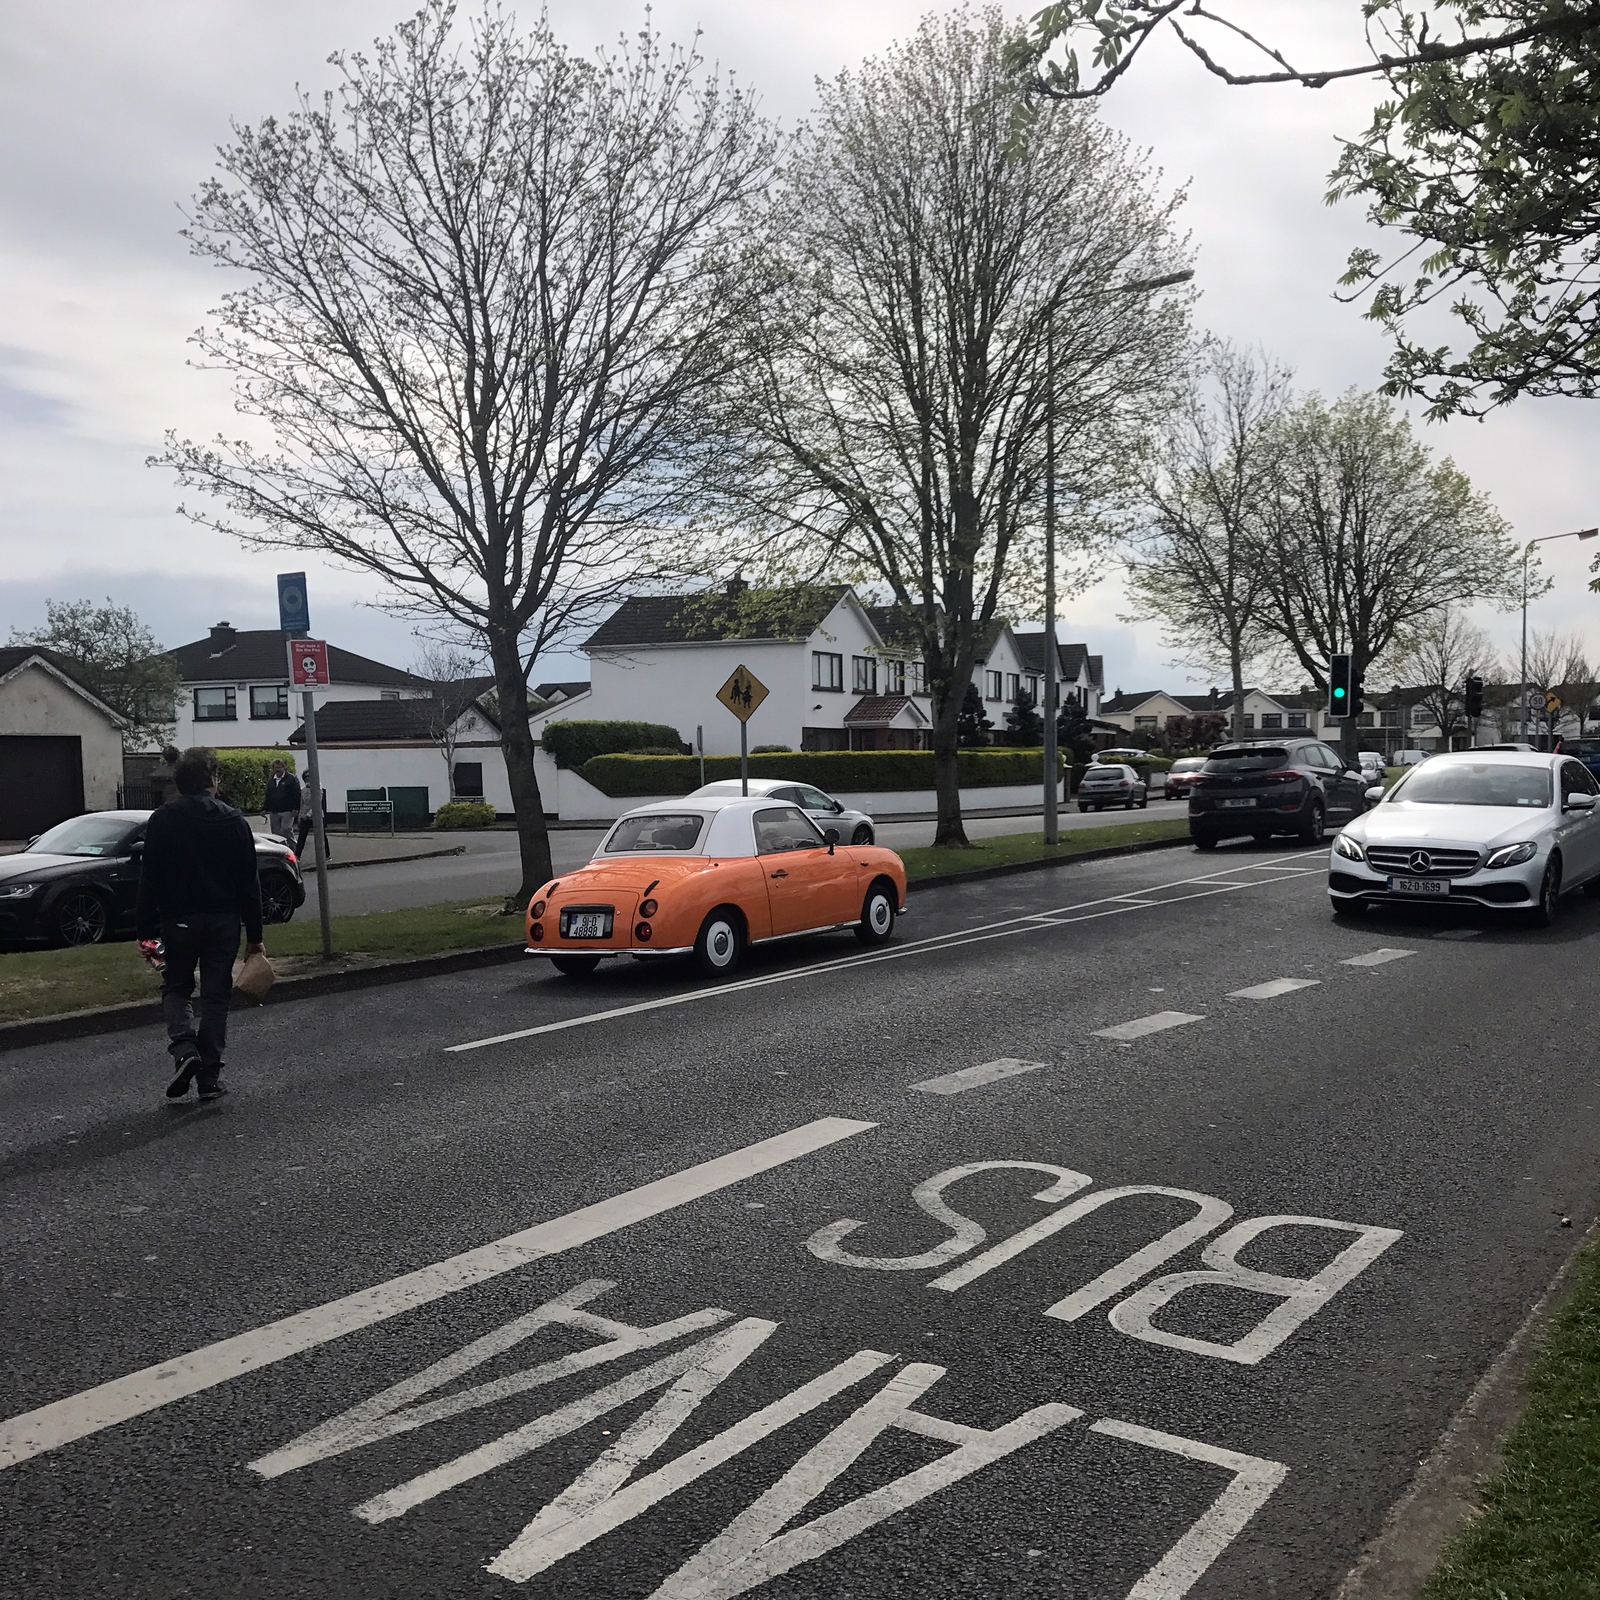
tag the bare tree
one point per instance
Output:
(1436, 657)
(1555, 660)
(1370, 535)
(487, 291)
(929, 295)
(1582, 690)
(456, 685)
(1209, 482)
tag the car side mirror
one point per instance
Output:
(1376, 792)
(1578, 802)
(832, 836)
(34, 840)
(136, 849)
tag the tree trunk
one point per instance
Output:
(1238, 698)
(946, 774)
(516, 742)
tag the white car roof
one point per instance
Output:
(731, 833)
(1515, 758)
(758, 786)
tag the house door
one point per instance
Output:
(41, 784)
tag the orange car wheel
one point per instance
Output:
(720, 942)
(877, 914)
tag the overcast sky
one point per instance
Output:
(110, 115)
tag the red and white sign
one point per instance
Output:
(308, 664)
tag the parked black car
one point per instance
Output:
(1298, 787)
(77, 884)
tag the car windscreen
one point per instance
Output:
(678, 830)
(1258, 758)
(1476, 783)
(85, 836)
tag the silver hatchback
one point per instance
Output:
(1108, 783)
(1509, 830)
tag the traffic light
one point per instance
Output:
(1474, 699)
(1357, 703)
(1340, 687)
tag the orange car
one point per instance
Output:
(708, 877)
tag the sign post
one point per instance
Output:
(700, 750)
(742, 694)
(308, 671)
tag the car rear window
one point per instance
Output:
(1189, 764)
(1474, 783)
(1258, 758)
(679, 830)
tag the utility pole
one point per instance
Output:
(1052, 825)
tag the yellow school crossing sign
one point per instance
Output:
(742, 693)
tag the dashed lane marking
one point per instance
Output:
(976, 1077)
(1273, 988)
(1156, 1022)
(1376, 958)
(1031, 922)
(62, 1421)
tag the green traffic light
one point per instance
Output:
(1338, 694)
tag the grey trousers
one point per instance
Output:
(207, 941)
(282, 823)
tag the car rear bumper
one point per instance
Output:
(606, 952)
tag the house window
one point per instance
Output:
(1391, 719)
(1273, 719)
(1033, 688)
(1366, 720)
(215, 705)
(269, 702)
(1013, 683)
(864, 674)
(894, 677)
(991, 686)
(824, 739)
(467, 779)
(1143, 722)
(1420, 716)
(827, 670)
(919, 678)
(1250, 720)
(1297, 719)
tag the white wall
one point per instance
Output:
(410, 766)
(246, 733)
(35, 703)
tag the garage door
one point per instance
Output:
(41, 784)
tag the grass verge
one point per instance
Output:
(42, 983)
(931, 861)
(1538, 1535)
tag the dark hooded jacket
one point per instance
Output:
(199, 855)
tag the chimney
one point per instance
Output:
(223, 637)
(736, 585)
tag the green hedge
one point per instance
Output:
(574, 743)
(464, 814)
(838, 771)
(242, 776)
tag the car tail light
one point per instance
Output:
(642, 933)
(648, 908)
(536, 909)
(1287, 775)
(294, 860)
(536, 932)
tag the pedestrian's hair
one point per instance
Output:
(279, 762)
(196, 770)
(171, 754)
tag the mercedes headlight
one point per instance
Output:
(16, 891)
(1347, 847)
(1512, 855)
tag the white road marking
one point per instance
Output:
(1254, 1479)
(1273, 988)
(62, 1421)
(1082, 911)
(976, 1077)
(1156, 1022)
(1376, 958)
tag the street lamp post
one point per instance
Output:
(1527, 550)
(1052, 824)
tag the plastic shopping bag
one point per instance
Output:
(255, 977)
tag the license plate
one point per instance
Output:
(1422, 886)
(1228, 805)
(587, 925)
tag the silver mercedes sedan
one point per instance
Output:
(1513, 830)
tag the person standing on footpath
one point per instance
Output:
(283, 801)
(197, 885)
(307, 821)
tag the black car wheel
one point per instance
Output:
(862, 835)
(1082, 806)
(1204, 841)
(575, 966)
(80, 917)
(877, 915)
(1549, 895)
(1314, 829)
(277, 898)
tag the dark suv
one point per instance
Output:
(1298, 786)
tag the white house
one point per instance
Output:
(60, 745)
(1150, 710)
(840, 675)
(236, 687)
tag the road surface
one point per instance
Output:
(1132, 1229)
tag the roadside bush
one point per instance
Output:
(463, 814)
(838, 771)
(655, 750)
(242, 776)
(573, 743)
(771, 750)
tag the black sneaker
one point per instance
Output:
(211, 1086)
(188, 1066)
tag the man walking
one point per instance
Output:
(308, 820)
(283, 801)
(197, 884)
